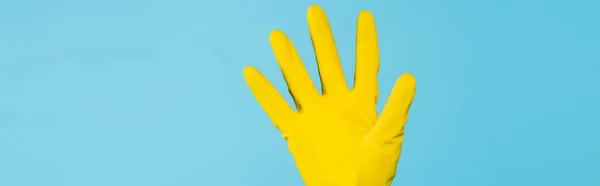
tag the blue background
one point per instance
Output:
(122, 93)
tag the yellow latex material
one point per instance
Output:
(336, 139)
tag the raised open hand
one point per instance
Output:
(336, 138)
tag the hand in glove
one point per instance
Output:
(336, 139)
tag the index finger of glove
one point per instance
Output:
(268, 97)
(367, 56)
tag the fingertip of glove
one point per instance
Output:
(314, 12)
(314, 8)
(365, 14)
(276, 34)
(407, 82)
(249, 71)
(408, 77)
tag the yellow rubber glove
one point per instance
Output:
(336, 138)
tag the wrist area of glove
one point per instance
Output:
(342, 183)
(373, 183)
(365, 175)
(349, 181)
